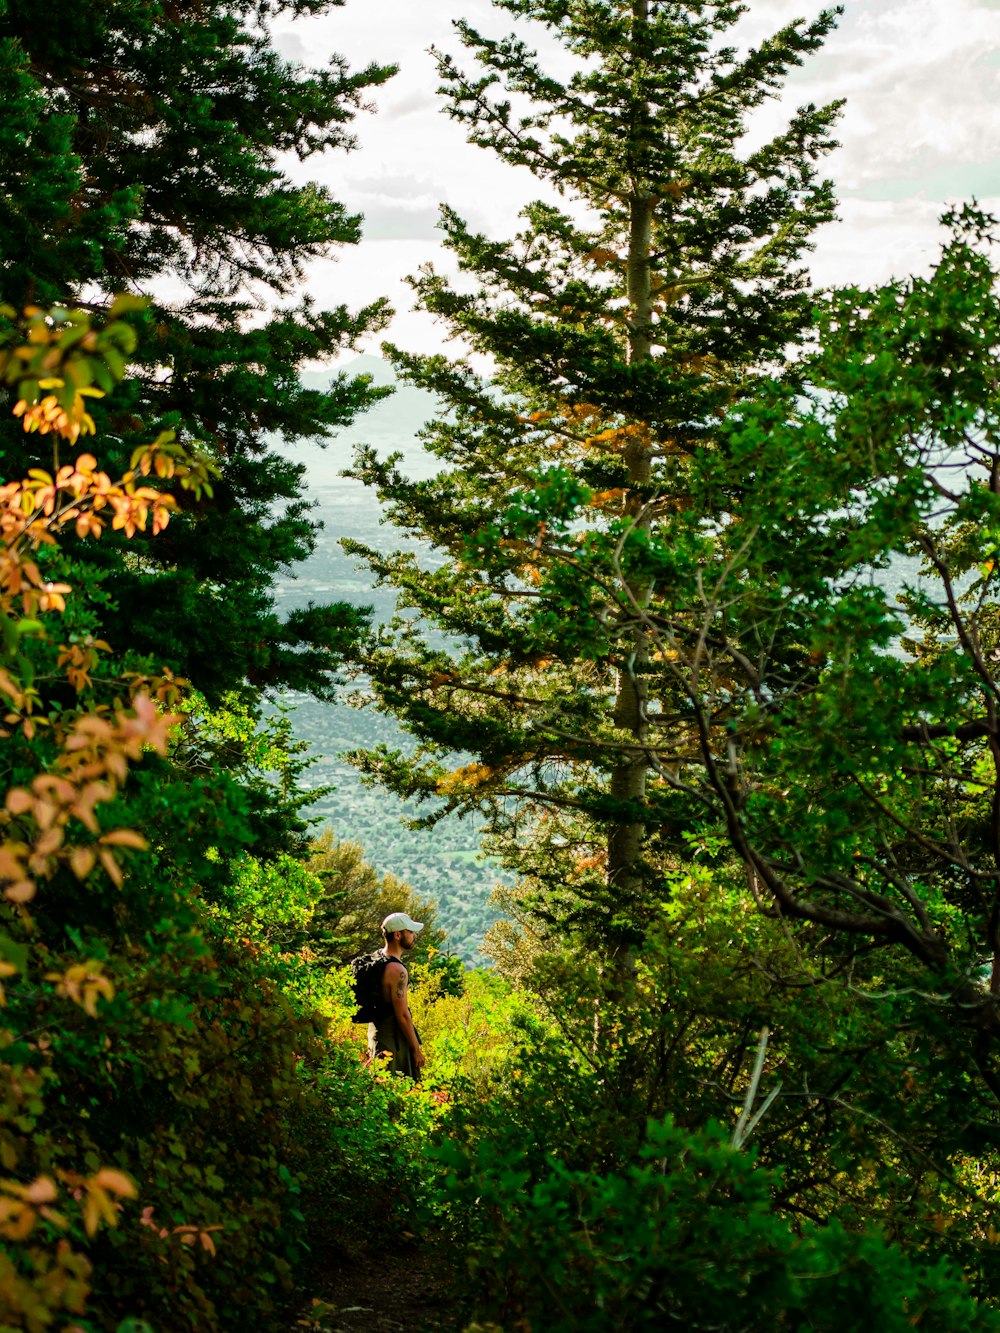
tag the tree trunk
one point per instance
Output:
(628, 778)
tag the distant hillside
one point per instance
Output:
(443, 863)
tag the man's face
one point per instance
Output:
(408, 939)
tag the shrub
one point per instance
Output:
(682, 1237)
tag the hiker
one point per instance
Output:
(394, 1032)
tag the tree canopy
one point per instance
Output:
(624, 329)
(141, 153)
(708, 631)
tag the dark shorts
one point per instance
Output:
(385, 1038)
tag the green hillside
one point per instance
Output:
(444, 863)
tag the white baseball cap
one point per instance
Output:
(400, 921)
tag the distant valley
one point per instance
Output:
(443, 863)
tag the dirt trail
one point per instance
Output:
(406, 1287)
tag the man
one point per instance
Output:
(394, 1033)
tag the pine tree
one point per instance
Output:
(139, 152)
(624, 328)
(861, 791)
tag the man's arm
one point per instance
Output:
(400, 983)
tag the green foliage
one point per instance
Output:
(208, 1073)
(141, 147)
(579, 1211)
(623, 333)
(668, 658)
(872, 1105)
(831, 684)
(683, 1237)
(180, 1095)
(469, 1033)
(690, 603)
(262, 755)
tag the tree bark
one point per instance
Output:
(628, 779)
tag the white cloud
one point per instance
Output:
(380, 268)
(922, 82)
(876, 240)
(922, 79)
(398, 206)
(415, 102)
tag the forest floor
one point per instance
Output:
(404, 1286)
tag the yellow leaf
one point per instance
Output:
(20, 1223)
(92, 989)
(108, 1178)
(11, 866)
(91, 1215)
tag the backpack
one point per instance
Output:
(367, 970)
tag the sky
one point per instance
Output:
(920, 131)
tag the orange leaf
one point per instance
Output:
(50, 841)
(42, 1190)
(125, 837)
(108, 1178)
(19, 801)
(82, 861)
(112, 867)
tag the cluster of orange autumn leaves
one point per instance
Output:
(55, 361)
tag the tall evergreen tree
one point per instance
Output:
(861, 790)
(623, 331)
(140, 152)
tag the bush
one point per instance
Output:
(174, 1110)
(684, 1237)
